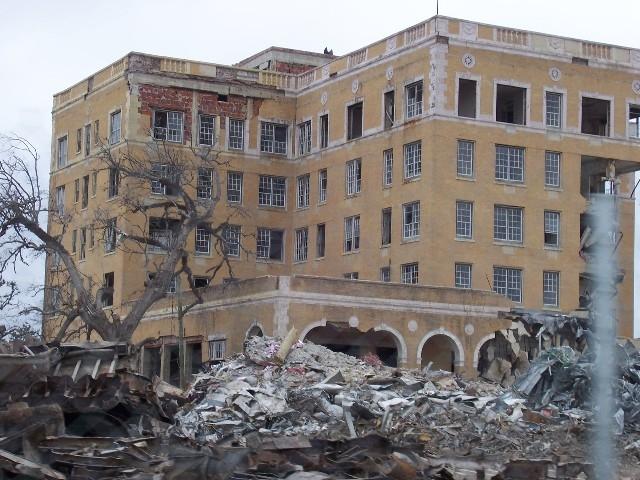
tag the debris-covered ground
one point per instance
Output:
(307, 413)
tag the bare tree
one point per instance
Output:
(185, 191)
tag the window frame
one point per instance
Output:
(351, 242)
(301, 244)
(412, 269)
(353, 177)
(387, 167)
(633, 126)
(303, 187)
(411, 229)
(385, 274)
(509, 228)
(323, 177)
(260, 238)
(414, 108)
(174, 138)
(110, 233)
(204, 189)
(114, 182)
(304, 137)
(508, 273)
(202, 240)
(323, 131)
(510, 169)
(386, 226)
(552, 218)
(270, 194)
(352, 133)
(239, 176)
(548, 173)
(550, 277)
(461, 161)
(60, 199)
(231, 240)
(84, 203)
(464, 225)
(87, 140)
(115, 134)
(321, 240)
(549, 115)
(460, 275)
(236, 125)
(205, 132)
(268, 142)
(412, 166)
(62, 158)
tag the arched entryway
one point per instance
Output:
(442, 350)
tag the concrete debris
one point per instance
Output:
(313, 414)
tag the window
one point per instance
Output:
(302, 194)
(464, 219)
(320, 240)
(172, 287)
(324, 131)
(108, 283)
(231, 240)
(200, 282)
(114, 128)
(322, 185)
(203, 239)
(550, 288)
(83, 243)
(168, 126)
(161, 231)
(511, 104)
(386, 226)
(236, 134)
(273, 138)
(60, 200)
(353, 176)
(467, 98)
(206, 134)
(304, 138)
(217, 349)
(508, 282)
(509, 163)
(464, 164)
(78, 140)
(166, 176)
(234, 187)
(87, 140)
(412, 160)
(62, 151)
(507, 224)
(351, 275)
(96, 132)
(463, 275)
(551, 228)
(595, 116)
(302, 245)
(74, 241)
(385, 274)
(634, 121)
(387, 167)
(389, 109)
(76, 190)
(272, 191)
(413, 94)
(411, 220)
(553, 108)
(204, 188)
(409, 273)
(114, 182)
(110, 233)
(270, 244)
(85, 191)
(354, 121)
(94, 183)
(352, 233)
(552, 169)
(92, 236)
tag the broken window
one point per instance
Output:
(595, 116)
(464, 219)
(83, 243)
(353, 178)
(509, 163)
(387, 167)
(78, 140)
(165, 179)
(115, 127)
(203, 240)
(273, 138)
(114, 182)
(385, 274)
(634, 121)
(467, 98)
(234, 187)
(320, 240)
(352, 233)
(204, 189)
(168, 126)
(217, 349)
(414, 99)
(354, 121)
(322, 185)
(386, 226)
(411, 220)
(60, 200)
(464, 161)
(200, 282)
(161, 230)
(508, 282)
(409, 273)
(463, 275)
(270, 244)
(302, 245)
(552, 169)
(236, 134)
(272, 191)
(551, 228)
(85, 191)
(87, 140)
(107, 289)
(62, 151)
(207, 130)
(507, 224)
(304, 138)
(324, 131)
(351, 275)
(389, 109)
(110, 233)
(231, 240)
(511, 104)
(553, 108)
(302, 194)
(412, 160)
(550, 288)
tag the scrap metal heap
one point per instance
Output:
(302, 412)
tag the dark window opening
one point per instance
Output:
(595, 116)
(151, 363)
(223, 98)
(107, 289)
(467, 98)
(354, 121)
(389, 109)
(200, 282)
(320, 241)
(324, 131)
(511, 104)
(270, 244)
(634, 121)
(386, 226)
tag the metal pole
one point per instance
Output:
(181, 346)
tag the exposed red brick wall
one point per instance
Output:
(234, 107)
(152, 98)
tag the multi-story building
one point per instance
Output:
(450, 154)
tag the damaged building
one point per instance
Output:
(394, 200)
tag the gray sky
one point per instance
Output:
(48, 45)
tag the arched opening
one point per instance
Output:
(255, 331)
(441, 351)
(356, 343)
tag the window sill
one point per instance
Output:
(510, 183)
(387, 187)
(319, 258)
(322, 203)
(552, 248)
(301, 209)
(112, 199)
(115, 144)
(412, 179)
(106, 254)
(352, 195)
(234, 204)
(410, 240)
(500, 243)
(466, 178)
(463, 239)
(202, 254)
(269, 260)
(231, 149)
(553, 189)
(551, 308)
(352, 252)
(387, 245)
(299, 262)
(272, 208)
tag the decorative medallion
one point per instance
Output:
(635, 86)
(323, 98)
(413, 325)
(468, 329)
(555, 43)
(468, 60)
(555, 74)
(389, 73)
(354, 322)
(391, 44)
(469, 31)
(355, 85)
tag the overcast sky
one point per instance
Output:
(46, 45)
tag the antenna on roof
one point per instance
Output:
(437, 7)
